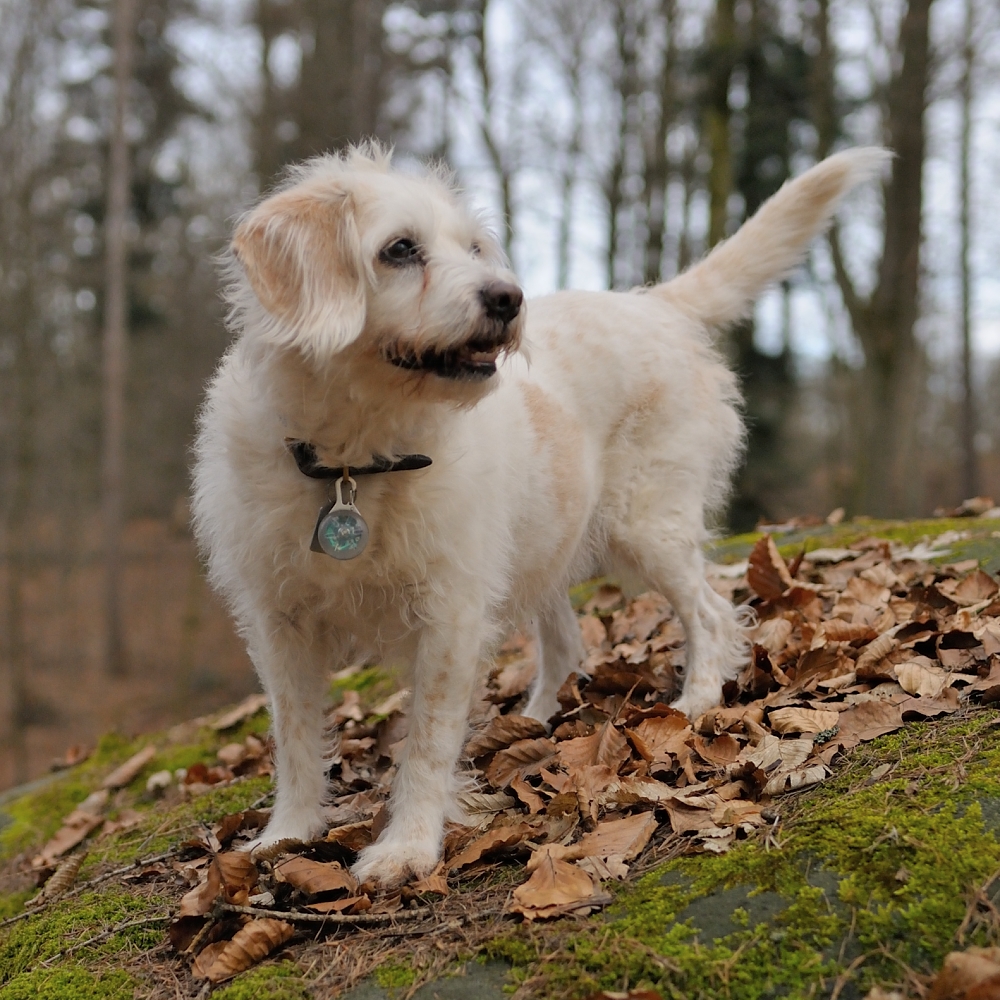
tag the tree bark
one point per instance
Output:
(657, 165)
(115, 343)
(887, 484)
(723, 57)
(627, 87)
(488, 130)
(970, 472)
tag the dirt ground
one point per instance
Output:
(183, 658)
(866, 879)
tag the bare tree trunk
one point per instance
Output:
(887, 480)
(568, 185)
(717, 116)
(115, 344)
(627, 88)
(657, 166)
(488, 131)
(970, 476)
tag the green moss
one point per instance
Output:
(882, 870)
(70, 984)
(393, 976)
(29, 942)
(281, 981)
(980, 545)
(373, 684)
(34, 817)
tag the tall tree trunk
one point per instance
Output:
(723, 57)
(887, 482)
(627, 86)
(115, 343)
(19, 528)
(488, 130)
(657, 165)
(970, 473)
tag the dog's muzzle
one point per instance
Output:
(477, 357)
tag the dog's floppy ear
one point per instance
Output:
(301, 253)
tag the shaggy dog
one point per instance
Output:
(376, 321)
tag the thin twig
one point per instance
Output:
(845, 976)
(104, 935)
(96, 880)
(358, 919)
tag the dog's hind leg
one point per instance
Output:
(560, 652)
(669, 560)
(424, 790)
(291, 665)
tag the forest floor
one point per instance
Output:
(833, 830)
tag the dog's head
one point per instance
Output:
(350, 258)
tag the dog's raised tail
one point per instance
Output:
(721, 289)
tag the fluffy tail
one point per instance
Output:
(720, 289)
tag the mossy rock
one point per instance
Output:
(859, 881)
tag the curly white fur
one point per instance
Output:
(601, 456)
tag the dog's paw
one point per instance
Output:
(541, 709)
(392, 862)
(696, 704)
(291, 829)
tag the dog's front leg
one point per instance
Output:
(291, 668)
(423, 793)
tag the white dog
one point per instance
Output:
(376, 322)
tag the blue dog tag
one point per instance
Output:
(340, 530)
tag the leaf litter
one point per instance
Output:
(848, 645)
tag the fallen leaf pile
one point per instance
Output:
(848, 644)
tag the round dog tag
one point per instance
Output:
(342, 532)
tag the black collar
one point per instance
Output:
(308, 462)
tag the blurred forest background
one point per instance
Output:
(612, 142)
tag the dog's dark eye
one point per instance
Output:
(401, 251)
(476, 249)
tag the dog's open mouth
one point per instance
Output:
(476, 359)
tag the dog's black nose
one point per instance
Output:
(502, 300)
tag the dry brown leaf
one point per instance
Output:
(524, 757)
(639, 619)
(77, 826)
(607, 746)
(690, 819)
(527, 794)
(433, 884)
(126, 773)
(921, 676)
(496, 839)
(593, 633)
(867, 721)
(657, 738)
(723, 750)
(206, 959)
(315, 877)
(802, 720)
(501, 732)
(768, 573)
(622, 838)
(930, 708)
(837, 630)
(964, 970)
(553, 886)
(976, 587)
(250, 705)
(790, 781)
(773, 634)
(252, 942)
(353, 836)
(202, 897)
